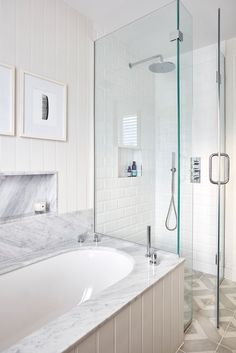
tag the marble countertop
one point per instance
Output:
(62, 333)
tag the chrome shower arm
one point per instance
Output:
(147, 59)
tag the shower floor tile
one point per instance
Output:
(203, 336)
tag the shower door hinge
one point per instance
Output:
(218, 77)
(176, 35)
(216, 259)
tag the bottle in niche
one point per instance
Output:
(134, 169)
(129, 171)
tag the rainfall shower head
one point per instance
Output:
(162, 67)
(159, 67)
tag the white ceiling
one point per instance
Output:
(109, 15)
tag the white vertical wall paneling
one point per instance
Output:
(181, 306)
(88, 345)
(49, 70)
(136, 326)
(122, 332)
(174, 310)
(158, 312)
(106, 338)
(43, 37)
(82, 111)
(61, 148)
(90, 174)
(72, 153)
(147, 321)
(7, 55)
(167, 314)
(36, 65)
(22, 61)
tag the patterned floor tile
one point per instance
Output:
(229, 339)
(222, 349)
(199, 345)
(203, 336)
(227, 284)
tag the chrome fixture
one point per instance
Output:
(219, 155)
(148, 253)
(195, 170)
(82, 237)
(154, 260)
(96, 237)
(172, 199)
(176, 35)
(158, 67)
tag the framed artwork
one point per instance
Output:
(7, 100)
(44, 108)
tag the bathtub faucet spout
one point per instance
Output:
(149, 245)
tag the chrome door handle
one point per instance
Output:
(210, 168)
(228, 168)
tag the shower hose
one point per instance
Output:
(172, 202)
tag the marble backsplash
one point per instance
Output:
(20, 191)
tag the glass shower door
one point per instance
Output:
(185, 98)
(219, 171)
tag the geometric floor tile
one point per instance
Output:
(203, 336)
(222, 349)
(204, 345)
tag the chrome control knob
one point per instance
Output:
(154, 260)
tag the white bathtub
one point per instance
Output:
(32, 296)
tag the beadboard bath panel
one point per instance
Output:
(152, 323)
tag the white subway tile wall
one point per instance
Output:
(230, 226)
(124, 205)
(204, 130)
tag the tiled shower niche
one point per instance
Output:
(19, 191)
(126, 156)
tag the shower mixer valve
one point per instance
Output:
(195, 170)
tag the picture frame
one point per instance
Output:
(43, 108)
(7, 99)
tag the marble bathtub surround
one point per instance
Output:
(27, 239)
(71, 328)
(19, 191)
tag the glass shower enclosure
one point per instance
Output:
(143, 134)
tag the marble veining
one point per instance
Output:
(26, 239)
(67, 330)
(20, 191)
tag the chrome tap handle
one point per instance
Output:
(81, 238)
(96, 238)
(154, 260)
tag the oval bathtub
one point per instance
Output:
(34, 295)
